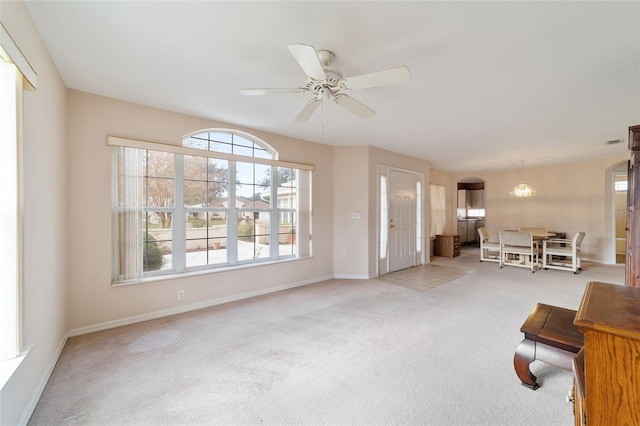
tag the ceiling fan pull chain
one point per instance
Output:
(322, 114)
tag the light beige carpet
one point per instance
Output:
(424, 277)
(339, 352)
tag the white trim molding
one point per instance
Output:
(188, 308)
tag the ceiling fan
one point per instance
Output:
(325, 82)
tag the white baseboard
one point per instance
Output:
(28, 410)
(188, 308)
(352, 277)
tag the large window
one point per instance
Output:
(15, 75)
(223, 199)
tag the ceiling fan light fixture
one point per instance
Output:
(325, 57)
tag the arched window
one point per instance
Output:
(230, 142)
(222, 199)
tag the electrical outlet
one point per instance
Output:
(343, 254)
(181, 295)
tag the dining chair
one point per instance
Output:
(537, 233)
(570, 249)
(520, 244)
(489, 246)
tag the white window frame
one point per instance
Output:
(302, 207)
(16, 75)
(9, 212)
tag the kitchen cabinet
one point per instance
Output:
(462, 231)
(472, 231)
(462, 198)
(468, 230)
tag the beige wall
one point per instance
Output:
(350, 195)
(93, 301)
(570, 198)
(45, 243)
(355, 191)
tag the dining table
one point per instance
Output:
(538, 236)
(543, 236)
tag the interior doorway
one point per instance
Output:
(620, 181)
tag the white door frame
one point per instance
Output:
(382, 253)
(610, 224)
(613, 213)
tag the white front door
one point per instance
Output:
(402, 220)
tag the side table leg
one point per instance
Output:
(525, 355)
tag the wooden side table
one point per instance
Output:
(549, 336)
(448, 245)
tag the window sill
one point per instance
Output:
(194, 273)
(8, 367)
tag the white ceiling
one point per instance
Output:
(491, 83)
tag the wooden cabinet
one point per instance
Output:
(472, 231)
(462, 198)
(468, 230)
(462, 230)
(448, 245)
(607, 370)
(633, 211)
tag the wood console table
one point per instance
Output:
(607, 369)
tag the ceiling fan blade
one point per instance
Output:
(308, 59)
(379, 78)
(347, 102)
(253, 92)
(307, 111)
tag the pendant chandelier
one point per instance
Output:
(523, 189)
